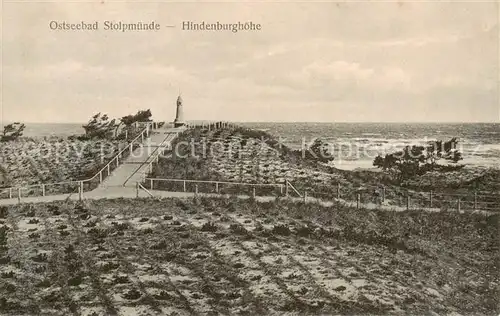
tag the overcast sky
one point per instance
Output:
(327, 62)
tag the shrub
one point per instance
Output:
(109, 266)
(8, 275)
(122, 279)
(417, 160)
(41, 257)
(209, 227)
(238, 229)
(34, 236)
(132, 294)
(281, 230)
(75, 281)
(305, 231)
(4, 211)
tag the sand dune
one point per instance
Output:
(28, 161)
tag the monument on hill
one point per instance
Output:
(179, 116)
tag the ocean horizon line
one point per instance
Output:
(277, 122)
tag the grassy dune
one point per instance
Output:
(28, 162)
(210, 256)
(34, 161)
(240, 155)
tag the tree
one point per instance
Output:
(99, 126)
(417, 160)
(141, 116)
(12, 131)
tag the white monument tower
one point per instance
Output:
(179, 116)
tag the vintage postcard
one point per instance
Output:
(249, 158)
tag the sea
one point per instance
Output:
(354, 145)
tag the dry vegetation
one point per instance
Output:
(229, 256)
(240, 155)
(28, 162)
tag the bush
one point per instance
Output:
(282, 230)
(4, 211)
(417, 160)
(209, 227)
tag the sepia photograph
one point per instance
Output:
(249, 158)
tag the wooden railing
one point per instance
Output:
(116, 159)
(155, 157)
(211, 125)
(39, 189)
(460, 202)
(74, 186)
(209, 186)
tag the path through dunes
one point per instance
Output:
(136, 164)
(128, 192)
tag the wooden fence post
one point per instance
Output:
(196, 189)
(216, 187)
(126, 135)
(407, 201)
(253, 192)
(100, 176)
(281, 189)
(151, 184)
(79, 193)
(286, 188)
(305, 197)
(109, 169)
(10, 193)
(184, 185)
(358, 200)
(338, 190)
(430, 199)
(43, 189)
